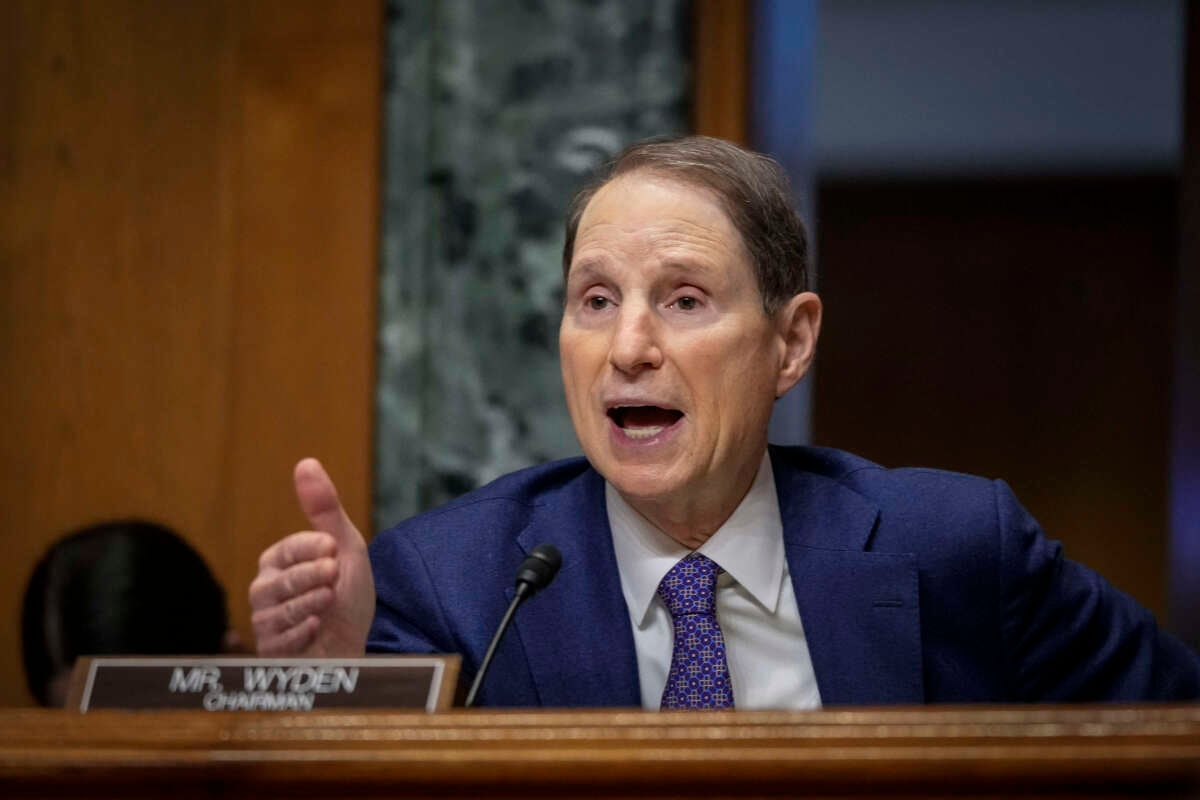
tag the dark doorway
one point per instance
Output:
(1017, 328)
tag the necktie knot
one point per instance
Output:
(691, 587)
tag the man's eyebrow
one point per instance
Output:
(689, 266)
(585, 268)
(591, 268)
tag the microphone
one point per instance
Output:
(534, 574)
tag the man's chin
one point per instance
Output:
(646, 482)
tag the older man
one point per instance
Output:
(701, 567)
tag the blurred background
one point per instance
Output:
(236, 234)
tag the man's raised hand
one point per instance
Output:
(314, 595)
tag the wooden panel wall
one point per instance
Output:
(187, 271)
(721, 37)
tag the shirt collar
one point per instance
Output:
(748, 546)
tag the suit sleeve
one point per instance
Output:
(1070, 635)
(408, 615)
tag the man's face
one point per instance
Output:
(670, 364)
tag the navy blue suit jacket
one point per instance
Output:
(914, 586)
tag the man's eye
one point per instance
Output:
(597, 303)
(687, 303)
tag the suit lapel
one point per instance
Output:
(860, 609)
(576, 634)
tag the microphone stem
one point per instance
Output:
(491, 651)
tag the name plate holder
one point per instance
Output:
(227, 683)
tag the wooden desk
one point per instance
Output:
(1085, 751)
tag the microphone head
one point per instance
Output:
(538, 569)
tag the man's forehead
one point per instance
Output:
(677, 220)
(645, 186)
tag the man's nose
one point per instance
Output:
(635, 344)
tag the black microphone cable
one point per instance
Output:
(534, 574)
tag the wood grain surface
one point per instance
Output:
(721, 42)
(970, 752)
(188, 215)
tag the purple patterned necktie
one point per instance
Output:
(699, 676)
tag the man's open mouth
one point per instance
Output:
(643, 422)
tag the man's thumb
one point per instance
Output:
(319, 500)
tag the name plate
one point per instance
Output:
(263, 684)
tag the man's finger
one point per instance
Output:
(292, 641)
(278, 586)
(276, 619)
(296, 549)
(319, 501)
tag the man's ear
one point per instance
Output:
(799, 325)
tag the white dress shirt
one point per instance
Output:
(769, 663)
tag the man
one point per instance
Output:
(702, 568)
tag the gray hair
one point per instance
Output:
(751, 187)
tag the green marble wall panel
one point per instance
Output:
(495, 112)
